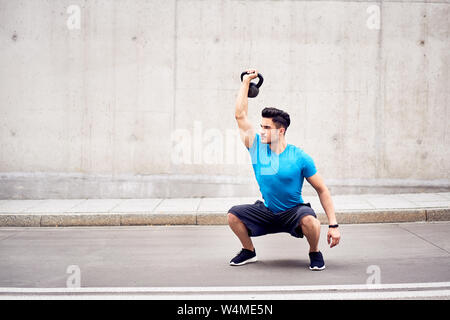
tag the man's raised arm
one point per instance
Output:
(246, 129)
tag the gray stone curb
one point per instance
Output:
(205, 218)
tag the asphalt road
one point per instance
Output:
(180, 261)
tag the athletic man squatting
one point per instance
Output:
(279, 169)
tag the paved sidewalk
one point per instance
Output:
(350, 209)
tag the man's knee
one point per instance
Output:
(309, 221)
(232, 219)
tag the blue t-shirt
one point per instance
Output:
(280, 177)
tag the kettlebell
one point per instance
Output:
(253, 89)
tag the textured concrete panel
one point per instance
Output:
(92, 111)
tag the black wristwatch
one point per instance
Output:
(333, 226)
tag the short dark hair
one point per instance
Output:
(279, 117)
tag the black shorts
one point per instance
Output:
(259, 220)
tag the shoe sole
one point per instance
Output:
(254, 259)
(317, 268)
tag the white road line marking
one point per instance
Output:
(239, 289)
(258, 296)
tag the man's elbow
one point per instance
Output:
(322, 190)
(240, 116)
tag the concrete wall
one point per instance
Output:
(136, 97)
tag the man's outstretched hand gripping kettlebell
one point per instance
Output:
(253, 89)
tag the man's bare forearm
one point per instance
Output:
(242, 100)
(327, 204)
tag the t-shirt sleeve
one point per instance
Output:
(308, 166)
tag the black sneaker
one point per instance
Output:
(243, 257)
(317, 262)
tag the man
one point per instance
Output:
(279, 169)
